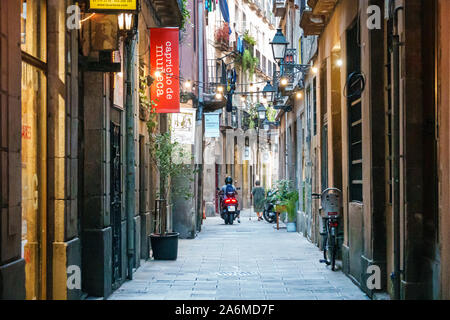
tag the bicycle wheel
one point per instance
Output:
(325, 251)
(331, 251)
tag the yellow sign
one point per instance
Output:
(113, 4)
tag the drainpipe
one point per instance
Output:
(199, 121)
(130, 153)
(396, 275)
(200, 61)
(286, 144)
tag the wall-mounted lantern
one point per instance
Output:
(279, 45)
(125, 21)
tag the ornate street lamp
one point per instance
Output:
(269, 92)
(261, 112)
(279, 45)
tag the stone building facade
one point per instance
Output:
(384, 146)
(64, 205)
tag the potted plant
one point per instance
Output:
(249, 62)
(291, 206)
(169, 159)
(287, 202)
(222, 36)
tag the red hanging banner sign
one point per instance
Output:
(165, 68)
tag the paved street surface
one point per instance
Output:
(251, 260)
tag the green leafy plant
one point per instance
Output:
(249, 38)
(147, 106)
(249, 62)
(271, 114)
(287, 196)
(169, 159)
(252, 117)
(185, 14)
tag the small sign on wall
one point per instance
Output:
(115, 5)
(212, 125)
(183, 126)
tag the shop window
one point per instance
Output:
(355, 138)
(34, 28)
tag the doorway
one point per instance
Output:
(116, 206)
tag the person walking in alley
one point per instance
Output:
(258, 195)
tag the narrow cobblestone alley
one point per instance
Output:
(250, 260)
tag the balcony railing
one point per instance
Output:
(221, 36)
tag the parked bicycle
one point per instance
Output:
(330, 212)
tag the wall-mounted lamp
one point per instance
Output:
(261, 112)
(279, 45)
(125, 21)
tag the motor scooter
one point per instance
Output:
(269, 213)
(229, 205)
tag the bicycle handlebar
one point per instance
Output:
(319, 195)
(331, 189)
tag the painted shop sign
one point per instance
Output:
(164, 59)
(116, 5)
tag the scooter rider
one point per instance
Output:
(228, 188)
